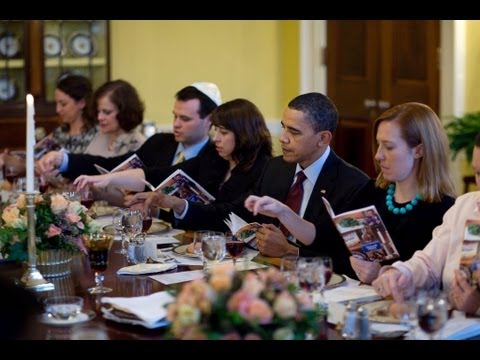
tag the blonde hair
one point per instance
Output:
(420, 125)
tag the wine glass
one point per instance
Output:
(432, 311)
(86, 197)
(312, 274)
(147, 221)
(234, 247)
(132, 223)
(119, 228)
(213, 249)
(98, 245)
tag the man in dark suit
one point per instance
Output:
(308, 123)
(192, 108)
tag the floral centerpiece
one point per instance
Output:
(234, 305)
(59, 224)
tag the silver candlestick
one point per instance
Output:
(32, 279)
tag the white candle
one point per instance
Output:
(30, 143)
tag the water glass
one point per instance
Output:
(197, 241)
(213, 249)
(288, 267)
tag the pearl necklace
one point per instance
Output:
(402, 210)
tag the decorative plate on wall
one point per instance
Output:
(8, 89)
(9, 45)
(52, 45)
(82, 44)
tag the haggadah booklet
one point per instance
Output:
(364, 233)
(181, 185)
(133, 162)
(470, 256)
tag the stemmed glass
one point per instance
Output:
(133, 224)
(234, 247)
(119, 229)
(147, 221)
(314, 273)
(432, 312)
(86, 197)
(213, 249)
(98, 245)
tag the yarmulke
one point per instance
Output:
(209, 89)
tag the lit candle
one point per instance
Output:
(30, 143)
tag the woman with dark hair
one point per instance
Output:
(73, 97)
(243, 146)
(119, 111)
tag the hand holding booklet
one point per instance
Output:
(133, 162)
(242, 230)
(364, 233)
(470, 256)
(181, 185)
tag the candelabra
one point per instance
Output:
(32, 279)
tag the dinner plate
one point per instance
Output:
(156, 227)
(80, 318)
(182, 250)
(52, 45)
(335, 280)
(378, 311)
(103, 210)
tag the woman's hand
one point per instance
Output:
(264, 205)
(366, 271)
(463, 296)
(99, 181)
(391, 283)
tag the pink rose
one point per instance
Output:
(53, 231)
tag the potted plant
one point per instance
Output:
(462, 132)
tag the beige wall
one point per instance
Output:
(257, 60)
(472, 78)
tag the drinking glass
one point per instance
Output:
(98, 245)
(86, 197)
(432, 311)
(147, 220)
(119, 228)
(313, 273)
(132, 223)
(234, 247)
(213, 249)
(288, 267)
(197, 241)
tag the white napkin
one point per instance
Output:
(145, 269)
(149, 308)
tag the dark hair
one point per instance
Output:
(126, 99)
(79, 88)
(190, 92)
(252, 137)
(320, 111)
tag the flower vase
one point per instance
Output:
(53, 263)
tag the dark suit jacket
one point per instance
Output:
(157, 151)
(338, 182)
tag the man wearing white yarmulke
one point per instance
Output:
(191, 124)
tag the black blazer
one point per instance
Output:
(157, 151)
(338, 182)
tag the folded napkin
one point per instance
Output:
(149, 309)
(145, 269)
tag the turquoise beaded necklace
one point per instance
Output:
(402, 210)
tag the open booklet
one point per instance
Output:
(470, 256)
(364, 233)
(181, 185)
(133, 162)
(242, 230)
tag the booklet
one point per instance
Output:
(242, 230)
(470, 256)
(181, 185)
(364, 233)
(44, 146)
(133, 162)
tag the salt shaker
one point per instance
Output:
(363, 324)
(349, 330)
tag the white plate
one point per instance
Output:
(140, 269)
(9, 45)
(182, 250)
(110, 316)
(378, 311)
(335, 280)
(52, 45)
(80, 318)
(82, 44)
